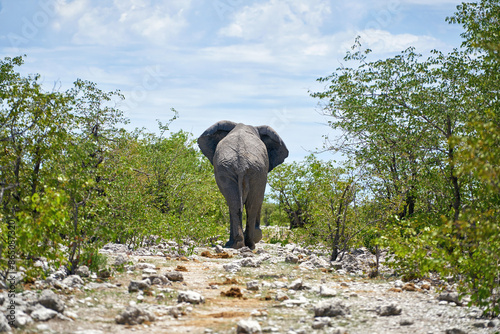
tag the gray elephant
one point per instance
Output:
(242, 155)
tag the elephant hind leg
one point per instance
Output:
(253, 233)
(236, 238)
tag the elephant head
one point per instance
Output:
(276, 149)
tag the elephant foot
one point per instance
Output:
(250, 245)
(234, 244)
(257, 235)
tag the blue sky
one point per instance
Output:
(247, 61)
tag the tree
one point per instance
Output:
(426, 132)
(318, 198)
(398, 117)
(33, 128)
(477, 257)
(71, 179)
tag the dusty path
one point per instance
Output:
(282, 297)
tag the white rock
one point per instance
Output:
(325, 291)
(296, 302)
(191, 297)
(144, 265)
(4, 324)
(120, 260)
(250, 262)
(321, 322)
(388, 310)
(82, 271)
(134, 315)
(232, 267)
(253, 285)
(331, 308)
(149, 271)
(51, 301)
(43, 314)
(22, 319)
(248, 326)
(291, 258)
(295, 285)
(398, 284)
(73, 281)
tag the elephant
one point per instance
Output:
(242, 155)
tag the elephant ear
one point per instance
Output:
(276, 148)
(212, 136)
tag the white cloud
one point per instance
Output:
(241, 53)
(121, 22)
(276, 19)
(382, 41)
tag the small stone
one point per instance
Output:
(4, 324)
(191, 297)
(59, 274)
(82, 271)
(337, 265)
(135, 286)
(43, 327)
(281, 296)
(493, 323)
(389, 310)
(398, 284)
(158, 280)
(295, 285)
(455, 331)
(144, 265)
(406, 322)
(321, 322)
(291, 258)
(120, 260)
(480, 324)
(99, 286)
(232, 267)
(73, 281)
(450, 297)
(134, 315)
(250, 262)
(62, 317)
(149, 271)
(174, 276)
(21, 320)
(331, 309)
(253, 285)
(295, 302)
(71, 315)
(326, 292)
(43, 314)
(51, 301)
(248, 326)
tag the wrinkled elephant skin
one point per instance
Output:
(242, 155)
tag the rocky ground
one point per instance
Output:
(272, 289)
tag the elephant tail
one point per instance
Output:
(240, 191)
